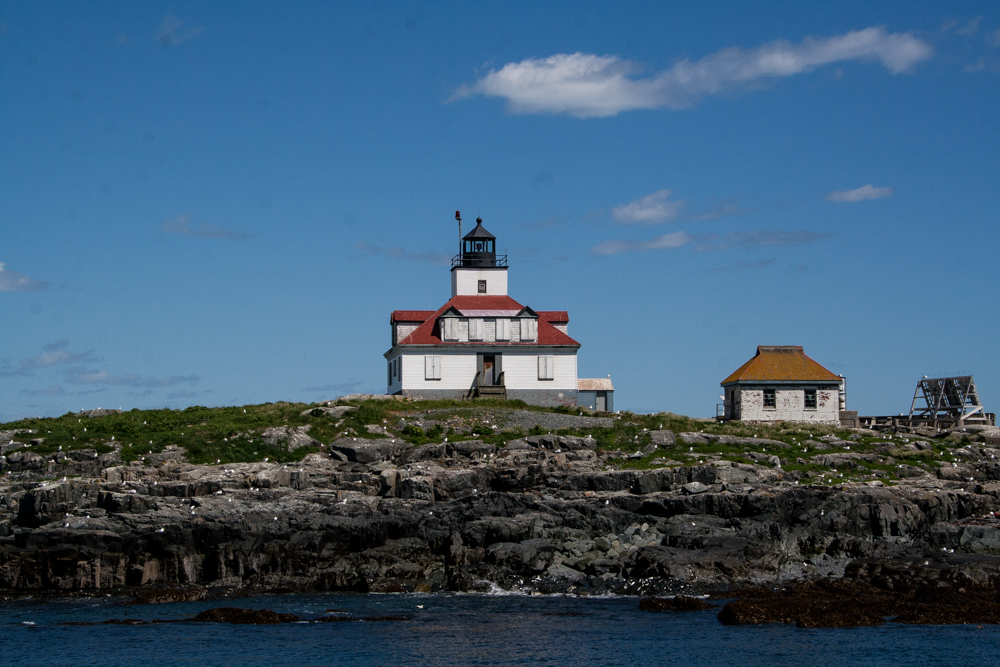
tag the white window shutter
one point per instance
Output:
(546, 367)
(475, 328)
(529, 329)
(428, 368)
(503, 328)
(437, 368)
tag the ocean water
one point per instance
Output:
(460, 630)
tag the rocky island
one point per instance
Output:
(375, 495)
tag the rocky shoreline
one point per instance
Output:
(537, 514)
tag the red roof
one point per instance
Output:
(428, 333)
(559, 316)
(410, 315)
(781, 363)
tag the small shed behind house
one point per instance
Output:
(596, 394)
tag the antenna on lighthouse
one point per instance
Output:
(458, 216)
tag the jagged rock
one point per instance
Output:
(291, 438)
(663, 439)
(99, 412)
(694, 487)
(362, 450)
(336, 411)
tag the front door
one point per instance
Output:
(602, 402)
(488, 363)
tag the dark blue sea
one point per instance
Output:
(460, 630)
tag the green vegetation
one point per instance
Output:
(232, 434)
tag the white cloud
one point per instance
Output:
(12, 281)
(182, 225)
(665, 242)
(104, 378)
(721, 209)
(859, 194)
(55, 354)
(649, 210)
(51, 390)
(587, 85)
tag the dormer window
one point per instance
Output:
(449, 328)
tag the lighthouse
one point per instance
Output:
(482, 342)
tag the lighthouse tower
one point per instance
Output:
(477, 269)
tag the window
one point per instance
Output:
(432, 367)
(482, 287)
(770, 402)
(810, 399)
(449, 328)
(546, 367)
(475, 328)
(503, 328)
(529, 328)
(388, 369)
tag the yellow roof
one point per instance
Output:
(781, 363)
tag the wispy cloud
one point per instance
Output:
(55, 354)
(620, 246)
(103, 377)
(587, 85)
(51, 390)
(859, 194)
(399, 252)
(722, 209)
(12, 281)
(173, 31)
(756, 238)
(182, 225)
(650, 210)
(959, 27)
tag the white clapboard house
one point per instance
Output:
(482, 342)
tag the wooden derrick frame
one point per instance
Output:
(947, 401)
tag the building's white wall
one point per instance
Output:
(521, 371)
(394, 383)
(789, 404)
(465, 281)
(458, 370)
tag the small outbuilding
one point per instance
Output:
(596, 394)
(780, 383)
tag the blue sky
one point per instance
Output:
(208, 205)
